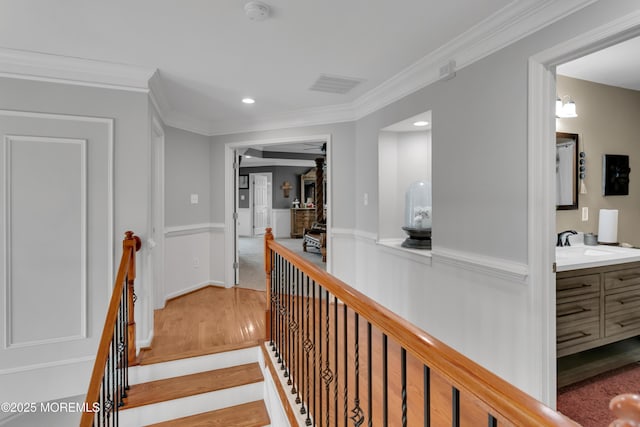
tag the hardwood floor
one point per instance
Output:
(209, 320)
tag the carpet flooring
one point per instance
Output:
(587, 402)
(251, 254)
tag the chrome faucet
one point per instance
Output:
(565, 235)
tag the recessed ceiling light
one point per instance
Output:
(248, 100)
(421, 123)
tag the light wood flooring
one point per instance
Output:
(209, 320)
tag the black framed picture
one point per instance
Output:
(243, 182)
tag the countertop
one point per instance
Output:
(583, 256)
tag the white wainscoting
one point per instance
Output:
(244, 222)
(477, 305)
(56, 247)
(193, 258)
(281, 224)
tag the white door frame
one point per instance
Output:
(230, 191)
(157, 204)
(541, 180)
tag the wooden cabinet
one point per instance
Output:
(300, 219)
(597, 306)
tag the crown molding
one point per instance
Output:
(78, 71)
(290, 119)
(512, 23)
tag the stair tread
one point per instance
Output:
(252, 414)
(192, 384)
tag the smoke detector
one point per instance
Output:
(256, 10)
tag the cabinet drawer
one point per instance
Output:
(577, 334)
(625, 322)
(578, 311)
(621, 278)
(629, 299)
(577, 286)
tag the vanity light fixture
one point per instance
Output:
(248, 100)
(565, 107)
(421, 123)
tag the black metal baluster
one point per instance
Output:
(276, 312)
(369, 376)
(327, 375)
(403, 376)
(385, 383)
(101, 399)
(335, 359)
(315, 353)
(280, 308)
(320, 392)
(287, 323)
(357, 414)
(296, 340)
(272, 299)
(300, 398)
(114, 376)
(493, 422)
(125, 322)
(346, 368)
(455, 407)
(308, 346)
(426, 389)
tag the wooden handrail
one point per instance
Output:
(126, 275)
(502, 397)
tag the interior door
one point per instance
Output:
(260, 204)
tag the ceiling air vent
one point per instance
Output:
(335, 84)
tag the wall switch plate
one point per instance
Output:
(242, 197)
(585, 213)
(194, 199)
(196, 262)
(365, 199)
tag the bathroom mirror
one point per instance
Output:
(566, 171)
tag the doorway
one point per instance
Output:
(541, 184)
(279, 216)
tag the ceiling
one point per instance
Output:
(617, 65)
(209, 55)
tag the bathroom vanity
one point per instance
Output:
(597, 296)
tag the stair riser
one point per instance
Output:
(158, 371)
(177, 408)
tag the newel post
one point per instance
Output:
(267, 269)
(133, 242)
(626, 408)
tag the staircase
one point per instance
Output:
(223, 389)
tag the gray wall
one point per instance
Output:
(187, 171)
(280, 175)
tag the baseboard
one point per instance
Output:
(193, 288)
(145, 343)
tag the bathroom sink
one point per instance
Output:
(582, 256)
(580, 251)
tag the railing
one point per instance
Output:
(117, 349)
(347, 360)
